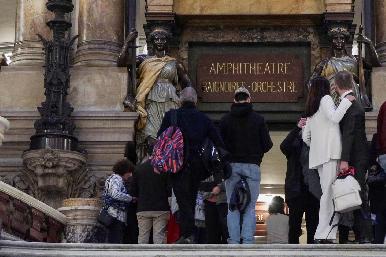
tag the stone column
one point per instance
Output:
(31, 18)
(100, 28)
(380, 29)
(82, 225)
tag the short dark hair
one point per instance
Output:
(277, 205)
(319, 87)
(123, 166)
(343, 80)
(241, 97)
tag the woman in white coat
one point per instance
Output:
(322, 134)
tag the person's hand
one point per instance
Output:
(216, 190)
(351, 98)
(343, 166)
(302, 122)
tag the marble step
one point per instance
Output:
(20, 248)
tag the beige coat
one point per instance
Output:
(322, 132)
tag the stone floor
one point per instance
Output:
(19, 249)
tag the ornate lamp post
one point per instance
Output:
(54, 130)
(54, 166)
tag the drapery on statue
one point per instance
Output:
(340, 60)
(159, 78)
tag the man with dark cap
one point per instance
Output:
(247, 139)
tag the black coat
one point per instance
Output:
(151, 189)
(291, 147)
(245, 134)
(377, 192)
(195, 127)
(354, 142)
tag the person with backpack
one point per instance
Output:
(195, 127)
(247, 139)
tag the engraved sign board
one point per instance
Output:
(273, 77)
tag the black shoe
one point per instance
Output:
(323, 241)
(185, 240)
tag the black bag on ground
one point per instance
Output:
(105, 218)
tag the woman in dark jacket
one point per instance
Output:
(377, 193)
(298, 197)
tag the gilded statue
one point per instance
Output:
(159, 78)
(340, 60)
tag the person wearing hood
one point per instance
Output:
(247, 139)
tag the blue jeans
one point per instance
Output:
(251, 172)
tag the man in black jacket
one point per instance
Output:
(355, 152)
(247, 139)
(300, 193)
(195, 127)
(152, 192)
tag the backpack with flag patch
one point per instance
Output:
(168, 152)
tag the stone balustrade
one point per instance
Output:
(27, 218)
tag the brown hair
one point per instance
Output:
(343, 80)
(123, 166)
(319, 87)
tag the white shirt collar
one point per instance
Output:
(345, 94)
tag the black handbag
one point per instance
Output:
(376, 175)
(214, 159)
(105, 218)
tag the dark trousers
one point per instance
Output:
(115, 232)
(216, 222)
(308, 204)
(131, 232)
(185, 186)
(362, 218)
(380, 227)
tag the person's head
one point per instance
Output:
(343, 81)
(124, 168)
(242, 95)
(149, 144)
(319, 87)
(276, 206)
(188, 95)
(339, 35)
(159, 38)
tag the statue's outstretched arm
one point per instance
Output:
(123, 55)
(183, 76)
(318, 70)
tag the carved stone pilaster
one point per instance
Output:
(54, 175)
(4, 126)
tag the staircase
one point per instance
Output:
(36, 249)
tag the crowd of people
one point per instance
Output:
(197, 205)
